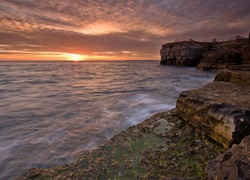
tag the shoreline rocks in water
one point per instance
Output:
(180, 143)
(161, 147)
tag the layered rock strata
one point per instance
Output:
(221, 111)
(218, 110)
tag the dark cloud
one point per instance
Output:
(110, 27)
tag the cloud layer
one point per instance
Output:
(111, 29)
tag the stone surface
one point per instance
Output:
(234, 164)
(239, 77)
(219, 110)
(186, 53)
(162, 147)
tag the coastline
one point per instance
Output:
(175, 143)
(163, 146)
(168, 145)
(183, 143)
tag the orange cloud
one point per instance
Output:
(40, 29)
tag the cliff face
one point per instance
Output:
(224, 55)
(187, 53)
(208, 55)
(246, 57)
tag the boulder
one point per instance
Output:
(219, 110)
(234, 164)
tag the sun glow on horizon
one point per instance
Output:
(75, 57)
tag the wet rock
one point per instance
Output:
(233, 164)
(218, 110)
(148, 155)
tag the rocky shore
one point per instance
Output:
(221, 111)
(205, 137)
(162, 147)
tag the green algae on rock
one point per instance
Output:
(162, 146)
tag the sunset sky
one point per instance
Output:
(113, 29)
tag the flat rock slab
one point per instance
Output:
(219, 110)
(162, 147)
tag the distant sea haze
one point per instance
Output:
(51, 112)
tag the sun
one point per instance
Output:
(75, 57)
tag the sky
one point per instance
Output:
(113, 29)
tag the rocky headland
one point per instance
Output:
(205, 137)
(207, 55)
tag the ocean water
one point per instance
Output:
(52, 112)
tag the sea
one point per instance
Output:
(51, 113)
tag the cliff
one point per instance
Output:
(186, 53)
(207, 55)
(246, 57)
(224, 55)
